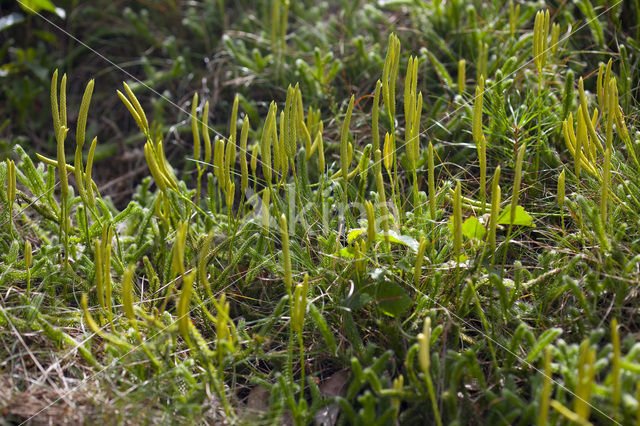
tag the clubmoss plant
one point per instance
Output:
(515, 197)
(545, 396)
(196, 141)
(127, 295)
(279, 25)
(244, 169)
(371, 224)
(266, 197)
(83, 184)
(286, 254)
(568, 94)
(586, 373)
(375, 134)
(457, 223)
(431, 182)
(11, 191)
(345, 159)
(297, 319)
(389, 160)
(495, 209)
(389, 76)
(228, 162)
(417, 268)
(182, 310)
(462, 76)
(377, 161)
(555, 38)
(255, 151)
(59, 112)
(265, 144)
(540, 43)
(517, 181)
(514, 15)
(604, 187)
(413, 114)
(560, 194)
(172, 299)
(479, 140)
(585, 114)
(615, 368)
(483, 56)
(424, 357)
(28, 259)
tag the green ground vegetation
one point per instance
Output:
(392, 212)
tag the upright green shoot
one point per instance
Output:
(462, 76)
(515, 198)
(540, 40)
(431, 182)
(345, 158)
(545, 398)
(59, 112)
(424, 357)
(196, 143)
(480, 141)
(615, 371)
(495, 209)
(413, 113)
(457, 224)
(382, 199)
(560, 197)
(11, 191)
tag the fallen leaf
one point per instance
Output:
(257, 402)
(330, 388)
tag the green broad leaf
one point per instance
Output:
(36, 6)
(392, 299)
(348, 252)
(522, 218)
(461, 259)
(472, 228)
(405, 240)
(354, 234)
